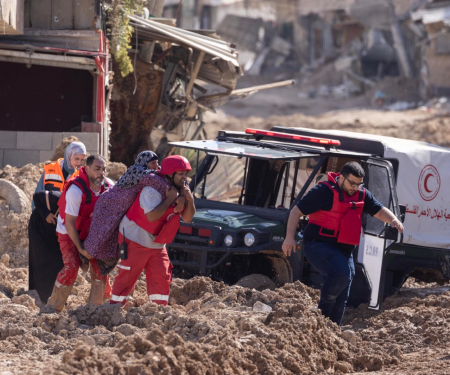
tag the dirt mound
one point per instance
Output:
(215, 330)
(61, 148)
(210, 327)
(13, 226)
(115, 170)
(25, 178)
(14, 236)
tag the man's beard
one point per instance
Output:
(349, 193)
(97, 182)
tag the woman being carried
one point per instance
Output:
(112, 206)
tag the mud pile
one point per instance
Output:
(212, 328)
(208, 328)
(14, 226)
(26, 178)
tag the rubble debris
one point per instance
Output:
(293, 338)
(15, 198)
(59, 152)
(115, 170)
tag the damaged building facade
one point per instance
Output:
(62, 81)
(54, 81)
(176, 71)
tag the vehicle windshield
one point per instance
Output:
(267, 183)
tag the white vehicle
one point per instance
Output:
(248, 181)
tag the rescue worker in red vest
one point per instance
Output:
(76, 206)
(149, 224)
(335, 208)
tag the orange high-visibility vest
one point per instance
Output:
(54, 177)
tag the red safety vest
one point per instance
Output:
(344, 220)
(83, 222)
(164, 229)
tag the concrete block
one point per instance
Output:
(41, 14)
(8, 139)
(56, 140)
(62, 15)
(45, 155)
(90, 140)
(93, 127)
(1, 158)
(18, 158)
(34, 140)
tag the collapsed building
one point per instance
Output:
(368, 39)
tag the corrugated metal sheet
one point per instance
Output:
(214, 47)
(220, 65)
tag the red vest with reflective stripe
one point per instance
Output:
(164, 229)
(343, 221)
(83, 222)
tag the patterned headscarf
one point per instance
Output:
(134, 174)
(72, 149)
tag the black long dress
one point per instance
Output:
(44, 258)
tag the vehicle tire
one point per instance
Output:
(14, 196)
(257, 281)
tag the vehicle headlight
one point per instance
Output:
(249, 239)
(228, 240)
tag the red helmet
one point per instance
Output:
(173, 164)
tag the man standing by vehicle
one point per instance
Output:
(76, 206)
(152, 221)
(335, 208)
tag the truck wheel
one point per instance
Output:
(257, 281)
(14, 196)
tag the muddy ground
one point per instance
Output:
(212, 328)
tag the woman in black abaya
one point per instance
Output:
(45, 258)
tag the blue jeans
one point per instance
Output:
(338, 270)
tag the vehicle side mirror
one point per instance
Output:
(402, 212)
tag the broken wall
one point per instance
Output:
(11, 17)
(435, 62)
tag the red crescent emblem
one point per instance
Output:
(425, 182)
(426, 191)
